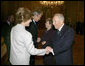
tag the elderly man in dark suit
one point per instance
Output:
(62, 41)
(37, 14)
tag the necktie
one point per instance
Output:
(58, 32)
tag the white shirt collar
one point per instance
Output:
(61, 27)
(34, 21)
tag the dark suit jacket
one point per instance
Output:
(34, 31)
(5, 32)
(62, 46)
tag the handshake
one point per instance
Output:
(49, 49)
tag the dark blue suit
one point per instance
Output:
(62, 46)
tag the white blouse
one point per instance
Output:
(22, 46)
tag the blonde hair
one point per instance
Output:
(22, 15)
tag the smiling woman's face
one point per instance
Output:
(47, 25)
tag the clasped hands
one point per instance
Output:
(48, 49)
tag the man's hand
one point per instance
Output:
(48, 49)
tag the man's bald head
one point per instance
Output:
(58, 20)
(60, 17)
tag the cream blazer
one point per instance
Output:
(22, 46)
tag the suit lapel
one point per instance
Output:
(62, 32)
(34, 24)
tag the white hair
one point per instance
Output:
(60, 16)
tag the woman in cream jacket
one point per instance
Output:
(21, 40)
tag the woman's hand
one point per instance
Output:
(44, 42)
(38, 39)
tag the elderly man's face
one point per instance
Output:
(37, 17)
(56, 22)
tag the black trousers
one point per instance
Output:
(32, 57)
(32, 60)
(49, 60)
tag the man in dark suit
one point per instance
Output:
(62, 41)
(34, 31)
(5, 32)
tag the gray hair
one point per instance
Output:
(60, 16)
(37, 12)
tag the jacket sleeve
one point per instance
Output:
(30, 47)
(64, 43)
